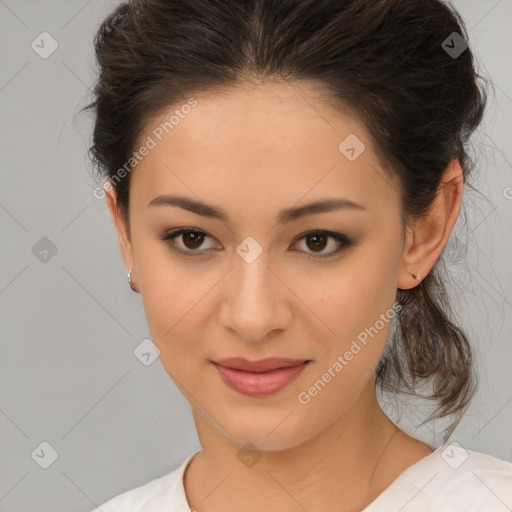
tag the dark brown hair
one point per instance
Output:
(384, 60)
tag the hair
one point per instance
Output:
(383, 60)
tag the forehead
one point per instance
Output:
(269, 143)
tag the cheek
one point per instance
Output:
(178, 309)
(168, 293)
(352, 297)
(358, 308)
(360, 312)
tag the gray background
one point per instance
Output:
(70, 324)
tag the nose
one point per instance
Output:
(255, 305)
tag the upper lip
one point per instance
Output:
(262, 365)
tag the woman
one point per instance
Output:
(283, 176)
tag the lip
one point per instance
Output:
(262, 365)
(259, 378)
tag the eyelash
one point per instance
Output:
(340, 238)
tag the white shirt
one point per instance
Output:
(449, 479)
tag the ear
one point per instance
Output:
(426, 237)
(122, 234)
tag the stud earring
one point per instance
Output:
(416, 276)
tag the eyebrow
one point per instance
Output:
(284, 216)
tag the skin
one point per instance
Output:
(254, 150)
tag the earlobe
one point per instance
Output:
(427, 236)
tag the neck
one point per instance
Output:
(341, 465)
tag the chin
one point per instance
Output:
(271, 432)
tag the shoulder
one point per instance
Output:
(155, 496)
(475, 480)
(455, 479)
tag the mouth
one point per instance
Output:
(259, 378)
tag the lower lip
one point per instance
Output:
(259, 384)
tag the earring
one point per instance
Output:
(416, 276)
(130, 281)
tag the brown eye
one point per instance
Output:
(317, 241)
(194, 238)
(191, 241)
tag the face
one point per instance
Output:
(256, 284)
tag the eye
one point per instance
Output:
(191, 240)
(317, 241)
